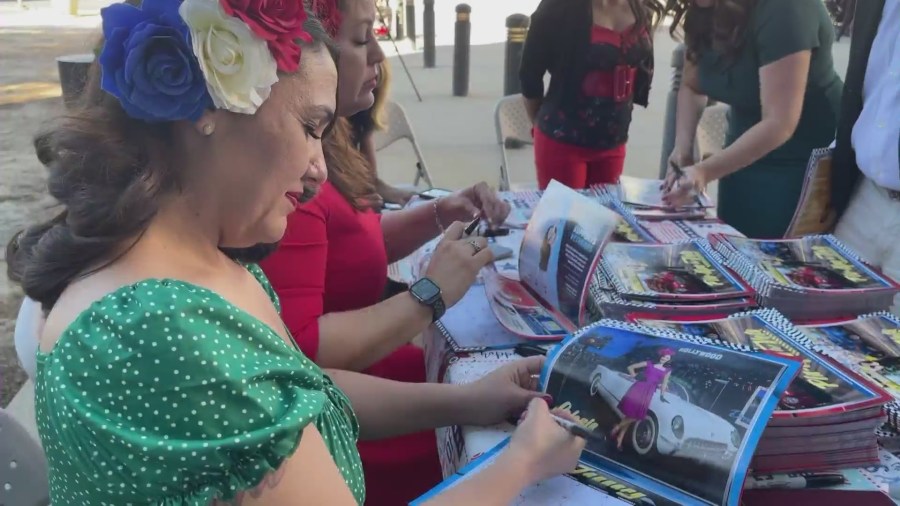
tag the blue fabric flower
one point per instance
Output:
(148, 64)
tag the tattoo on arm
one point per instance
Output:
(269, 482)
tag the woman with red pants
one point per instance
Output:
(599, 54)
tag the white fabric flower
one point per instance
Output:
(238, 66)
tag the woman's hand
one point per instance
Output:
(479, 200)
(685, 189)
(541, 446)
(455, 263)
(677, 159)
(394, 195)
(504, 392)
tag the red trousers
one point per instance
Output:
(575, 166)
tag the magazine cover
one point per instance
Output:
(561, 248)
(681, 416)
(822, 386)
(809, 263)
(685, 270)
(870, 344)
(520, 311)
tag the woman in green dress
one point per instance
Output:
(770, 60)
(165, 375)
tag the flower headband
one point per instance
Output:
(170, 60)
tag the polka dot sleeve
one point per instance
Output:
(163, 393)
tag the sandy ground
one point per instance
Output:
(29, 96)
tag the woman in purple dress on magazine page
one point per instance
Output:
(635, 403)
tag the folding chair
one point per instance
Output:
(399, 127)
(712, 130)
(25, 481)
(29, 325)
(513, 126)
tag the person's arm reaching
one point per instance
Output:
(782, 86)
(387, 408)
(407, 230)
(354, 340)
(784, 42)
(536, 56)
(539, 449)
(691, 102)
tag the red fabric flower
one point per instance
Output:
(278, 22)
(327, 12)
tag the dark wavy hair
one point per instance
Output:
(109, 172)
(721, 27)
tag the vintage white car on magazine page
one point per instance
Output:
(675, 427)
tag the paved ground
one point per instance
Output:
(456, 134)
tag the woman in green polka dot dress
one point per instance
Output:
(165, 375)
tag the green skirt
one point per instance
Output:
(760, 200)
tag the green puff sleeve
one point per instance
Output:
(163, 393)
(784, 27)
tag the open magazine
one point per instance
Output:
(557, 259)
(667, 438)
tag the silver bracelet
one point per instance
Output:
(437, 217)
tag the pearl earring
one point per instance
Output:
(208, 129)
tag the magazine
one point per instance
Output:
(808, 278)
(869, 345)
(814, 214)
(647, 193)
(558, 256)
(823, 386)
(665, 441)
(811, 263)
(679, 271)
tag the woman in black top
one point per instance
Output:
(599, 54)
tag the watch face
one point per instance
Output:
(425, 290)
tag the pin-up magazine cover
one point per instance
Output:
(680, 415)
(677, 417)
(809, 263)
(823, 386)
(558, 256)
(685, 270)
(870, 345)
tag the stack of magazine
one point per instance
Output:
(563, 284)
(644, 198)
(807, 278)
(679, 278)
(869, 345)
(662, 436)
(666, 231)
(826, 419)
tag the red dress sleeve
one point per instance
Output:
(297, 273)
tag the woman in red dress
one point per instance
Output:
(330, 270)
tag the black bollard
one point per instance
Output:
(461, 43)
(411, 21)
(73, 74)
(399, 24)
(516, 31)
(428, 33)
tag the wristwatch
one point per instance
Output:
(427, 293)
